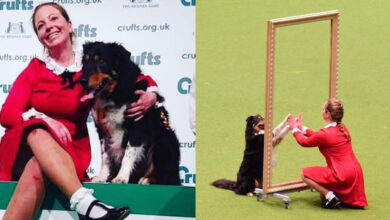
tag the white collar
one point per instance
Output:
(259, 132)
(333, 124)
(57, 69)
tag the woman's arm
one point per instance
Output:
(18, 99)
(315, 138)
(309, 132)
(146, 100)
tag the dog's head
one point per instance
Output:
(254, 124)
(107, 68)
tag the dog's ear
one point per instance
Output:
(249, 120)
(123, 63)
(249, 128)
(88, 45)
(127, 71)
(120, 52)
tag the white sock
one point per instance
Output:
(82, 199)
(329, 196)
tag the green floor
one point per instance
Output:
(158, 200)
(231, 51)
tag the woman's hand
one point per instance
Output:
(291, 121)
(299, 122)
(138, 109)
(59, 129)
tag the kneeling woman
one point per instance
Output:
(341, 181)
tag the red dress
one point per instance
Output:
(40, 88)
(343, 174)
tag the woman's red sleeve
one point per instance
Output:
(18, 99)
(315, 139)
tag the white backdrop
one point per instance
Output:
(160, 34)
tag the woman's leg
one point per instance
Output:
(328, 198)
(314, 185)
(54, 160)
(29, 193)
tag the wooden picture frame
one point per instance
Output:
(333, 16)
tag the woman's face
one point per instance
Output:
(52, 28)
(325, 114)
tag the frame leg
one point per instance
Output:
(261, 196)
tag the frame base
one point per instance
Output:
(261, 196)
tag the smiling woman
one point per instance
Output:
(54, 30)
(38, 144)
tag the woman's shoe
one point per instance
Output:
(333, 203)
(112, 213)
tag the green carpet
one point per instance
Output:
(230, 68)
(142, 199)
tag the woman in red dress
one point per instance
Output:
(341, 181)
(46, 137)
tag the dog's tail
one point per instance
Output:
(224, 184)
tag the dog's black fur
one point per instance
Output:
(161, 162)
(250, 174)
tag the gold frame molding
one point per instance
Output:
(333, 16)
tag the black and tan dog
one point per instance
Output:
(250, 174)
(144, 151)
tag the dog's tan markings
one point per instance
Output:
(100, 115)
(111, 86)
(86, 57)
(146, 181)
(96, 58)
(249, 194)
(258, 183)
(259, 126)
(96, 79)
(165, 121)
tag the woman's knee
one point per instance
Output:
(37, 135)
(303, 176)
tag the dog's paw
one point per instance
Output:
(286, 118)
(120, 179)
(144, 180)
(99, 179)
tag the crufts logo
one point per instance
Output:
(83, 30)
(146, 58)
(188, 56)
(188, 2)
(186, 176)
(5, 88)
(16, 5)
(184, 85)
(15, 28)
